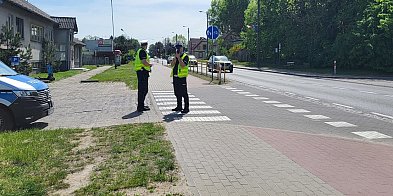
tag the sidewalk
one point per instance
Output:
(375, 81)
(87, 105)
(224, 159)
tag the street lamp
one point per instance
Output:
(207, 37)
(259, 35)
(113, 25)
(188, 37)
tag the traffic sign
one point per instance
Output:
(15, 60)
(212, 32)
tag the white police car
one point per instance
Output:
(22, 99)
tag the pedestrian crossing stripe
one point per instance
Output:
(175, 103)
(284, 106)
(191, 99)
(298, 110)
(260, 98)
(193, 112)
(191, 107)
(252, 95)
(372, 135)
(169, 96)
(161, 91)
(202, 119)
(243, 93)
(317, 117)
(340, 124)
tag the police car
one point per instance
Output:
(22, 99)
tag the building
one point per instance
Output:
(69, 48)
(98, 52)
(32, 24)
(35, 26)
(197, 47)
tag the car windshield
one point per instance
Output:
(221, 58)
(6, 71)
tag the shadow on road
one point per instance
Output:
(36, 125)
(132, 115)
(172, 117)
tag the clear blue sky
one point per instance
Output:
(140, 19)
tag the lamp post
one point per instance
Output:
(113, 25)
(207, 37)
(188, 37)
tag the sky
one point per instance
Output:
(151, 20)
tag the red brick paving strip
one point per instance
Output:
(352, 167)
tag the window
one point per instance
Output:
(20, 27)
(61, 52)
(49, 35)
(10, 23)
(204, 47)
(36, 33)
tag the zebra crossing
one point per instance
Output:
(199, 110)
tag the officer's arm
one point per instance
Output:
(173, 62)
(145, 63)
(182, 62)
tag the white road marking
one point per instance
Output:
(243, 93)
(289, 93)
(162, 91)
(298, 110)
(341, 105)
(273, 102)
(317, 117)
(174, 103)
(340, 124)
(202, 119)
(312, 98)
(167, 93)
(252, 95)
(194, 112)
(383, 115)
(191, 107)
(337, 87)
(388, 95)
(237, 90)
(372, 135)
(169, 96)
(191, 99)
(368, 92)
(231, 88)
(260, 98)
(284, 106)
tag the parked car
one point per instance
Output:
(22, 99)
(193, 61)
(170, 59)
(221, 61)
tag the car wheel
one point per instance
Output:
(6, 120)
(231, 71)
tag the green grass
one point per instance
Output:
(124, 73)
(34, 162)
(136, 156)
(63, 74)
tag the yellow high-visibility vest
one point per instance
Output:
(182, 72)
(138, 62)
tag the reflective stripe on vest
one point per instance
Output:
(182, 72)
(138, 62)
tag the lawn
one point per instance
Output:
(124, 73)
(63, 74)
(36, 162)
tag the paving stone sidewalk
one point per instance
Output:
(87, 105)
(225, 159)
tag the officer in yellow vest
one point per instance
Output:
(179, 74)
(142, 68)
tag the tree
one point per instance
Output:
(13, 44)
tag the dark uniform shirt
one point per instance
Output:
(142, 54)
(176, 68)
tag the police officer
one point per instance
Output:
(179, 74)
(142, 68)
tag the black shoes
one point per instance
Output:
(185, 111)
(176, 109)
(145, 108)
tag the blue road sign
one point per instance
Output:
(15, 60)
(212, 32)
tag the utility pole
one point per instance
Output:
(207, 37)
(258, 34)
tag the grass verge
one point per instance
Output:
(124, 73)
(34, 162)
(63, 74)
(136, 156)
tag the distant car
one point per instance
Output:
(221, 61)
(193, 61)
(170, 59)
